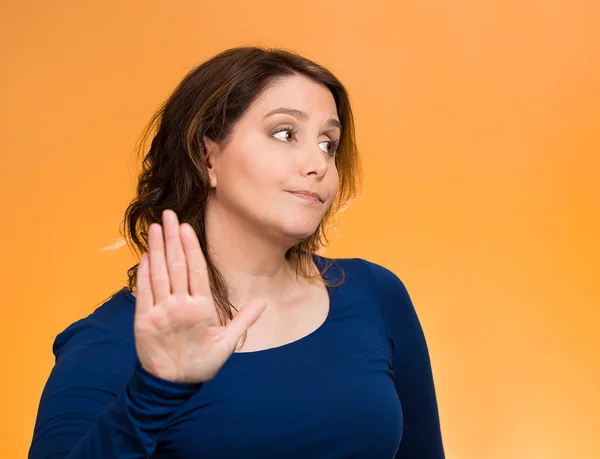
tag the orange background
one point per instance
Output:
(478, 124)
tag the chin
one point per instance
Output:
(298, 236)
(299, 232)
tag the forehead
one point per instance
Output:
(297, 92)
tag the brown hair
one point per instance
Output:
(208, 102)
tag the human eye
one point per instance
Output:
(285, 134)
(330, 147)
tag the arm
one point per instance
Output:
(99, 402)
(413, 378)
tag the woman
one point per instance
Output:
(234, 338)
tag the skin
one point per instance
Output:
(252, 220)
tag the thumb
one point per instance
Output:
(243, 320)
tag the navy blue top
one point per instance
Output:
(359, 386)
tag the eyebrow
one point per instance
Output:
(299, 114)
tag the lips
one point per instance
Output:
(307, 194)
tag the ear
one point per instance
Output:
(209, 150)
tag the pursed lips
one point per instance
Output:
(307, 194)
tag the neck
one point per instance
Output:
(253, 266)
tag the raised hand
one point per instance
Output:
(177, 332)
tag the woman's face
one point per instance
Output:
(284, 143)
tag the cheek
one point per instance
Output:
(264, 178)
(254, 171)
(262, 162)
(267, 169)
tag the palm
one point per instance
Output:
(177, 332)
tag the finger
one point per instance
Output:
(159, 276)
(143, 297)
(176, 262)
(242, 321)
(199, 283)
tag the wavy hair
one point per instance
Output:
(208, 102)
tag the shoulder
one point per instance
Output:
(111, 321)
(383, 276)
(383, 287)
(389, 284)
(383, 279)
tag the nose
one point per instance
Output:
(314, 162)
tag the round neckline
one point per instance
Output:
(304, 339)
(292, 344)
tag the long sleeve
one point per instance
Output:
(99, 402)
(421, 436)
